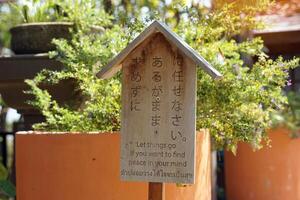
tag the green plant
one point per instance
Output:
(39, 11)
(236, 108)
(289, 117)
(82, 58)
(9, 18)
(78, 11)
(6, 187)
(1, 101)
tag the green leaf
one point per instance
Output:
(3, 172)
(8, 188)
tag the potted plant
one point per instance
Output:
(39, 22)
(272, 172)
(273, 169)
(231, 107)
(82, 56)
(44, 21)
(100, 111)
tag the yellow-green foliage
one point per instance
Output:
(235, 108)
(238, 107)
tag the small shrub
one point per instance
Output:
(236, 108)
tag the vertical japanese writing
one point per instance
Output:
(158, 113)
(177, 92)
(157, 91)
(135, 90)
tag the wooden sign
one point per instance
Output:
(158, 106)
(158, 114)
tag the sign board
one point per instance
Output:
(158, 114)
(158, 106)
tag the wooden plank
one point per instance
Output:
(158, 114)
(156, 191)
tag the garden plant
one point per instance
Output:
(239, 107)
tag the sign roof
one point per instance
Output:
(115, 64)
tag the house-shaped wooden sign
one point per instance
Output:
(158, 106)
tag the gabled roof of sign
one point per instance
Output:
(115, 65)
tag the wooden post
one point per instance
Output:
(156, 191)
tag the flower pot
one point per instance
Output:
(87, 166)
(35, 38)
(270, 173)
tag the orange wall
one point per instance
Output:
(86, 167)
(267, 174)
